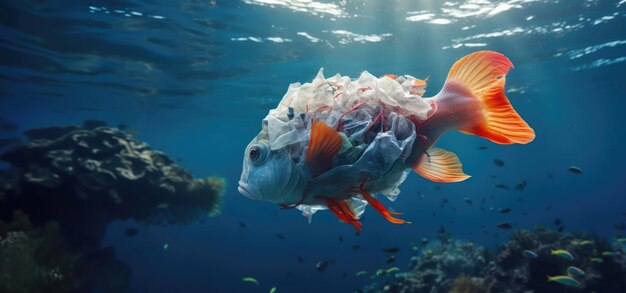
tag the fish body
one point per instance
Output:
(505, 225)
(562, 253)
(250, 280)
(337, 143)
(565, 280)
(608, 253)
(529, 254)
(392, 250)
(361, 273)
(575, 271)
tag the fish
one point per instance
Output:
(596, 260)
(562, 253)
(608, 253)
(498, 162)
(392, 269)
(504, 210)
(242, 224)
(621, 239)
(166, 246)
(391, 250)
(574, 271)
(340, 238)
(424, 241)
(505, 225)
(468, 201)
(300, 259)
(274, 290)
(321, 266)
(565, 280)
(575, 170)
(380, 272)
(361, 273)
(529, 254)
(521, 186)
(482, 148)
(131, 232)
(557, 221)
(420, 195)
(337, 144)
(390, 259)
(251, 280)
(503, 186)
(280, 236)
(585, 242)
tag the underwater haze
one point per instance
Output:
(165, 97)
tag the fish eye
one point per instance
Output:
(257, 153)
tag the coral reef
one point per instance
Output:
(84, 177)
(438, 266)
(34, 259)
(448, 266)
(72, 182)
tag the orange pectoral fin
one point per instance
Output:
(324, 144)
(381, 209)
(440, 166)
(342, 210)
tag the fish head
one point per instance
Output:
(267, 174)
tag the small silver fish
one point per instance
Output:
(529, 254)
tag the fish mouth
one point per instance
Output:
(244, 189)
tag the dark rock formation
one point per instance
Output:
(81, 179)
(84, 179)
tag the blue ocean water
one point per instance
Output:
(194, 78)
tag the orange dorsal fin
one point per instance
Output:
(440, 165)
(482, 74)
(324, 144)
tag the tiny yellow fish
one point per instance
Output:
(361, 273)
(392, 269)
(596, 260)
(166, 246)
(251, 280)
(380, 272)
(565, 280)
(621, 239)
(608, 253)
(273, 290)
(586, 242)
(562, 253)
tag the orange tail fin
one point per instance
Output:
(481, 75)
